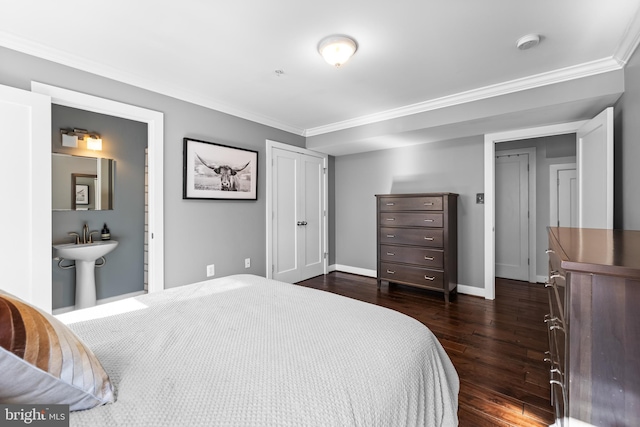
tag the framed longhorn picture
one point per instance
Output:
(215, 171)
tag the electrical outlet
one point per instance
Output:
(247, 262)
(211, 270)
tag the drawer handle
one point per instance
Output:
(428, 258)
(391, 236)
(391, 272)
(428, 220)
(549, 251)
(390, 254)
(428, 238)
(391, 219)
(431, 278)
(428, 203)
(391, 204)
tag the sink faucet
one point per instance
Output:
(85, 233)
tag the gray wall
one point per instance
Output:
(455, 166)
(125, 142)
(550, 150)
(197, 232)
(627, 150)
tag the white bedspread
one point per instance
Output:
(247, 351)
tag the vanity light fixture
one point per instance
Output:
(70, 138)
(94, 143)
(337, 50)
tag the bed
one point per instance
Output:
(248, 351)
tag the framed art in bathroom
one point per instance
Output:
(82, 194)
(215, 171)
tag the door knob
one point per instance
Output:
(302, 223)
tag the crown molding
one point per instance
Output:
(526, 83)
(616, 62)
(28, 47)
(630, 40)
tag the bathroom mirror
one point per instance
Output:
(81, 183)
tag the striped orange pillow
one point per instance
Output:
(44, 362)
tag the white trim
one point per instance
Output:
(490, 140)
(544, 79)
(29, 47)
(356, 270)
(269, 208)
(71, 308)
(531, 152)
(629, 42)
(616, 62)
(471, 290)
(553, 189)
(155, 145)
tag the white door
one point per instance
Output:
(298, 217)
(25, 190)
(595, 171)
(563, 192)
(512, 216)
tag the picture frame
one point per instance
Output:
(214, 171)
(82, 194)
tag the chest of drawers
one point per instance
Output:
(417, 240)
(594, 326)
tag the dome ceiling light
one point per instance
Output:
(337, 50)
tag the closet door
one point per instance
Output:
(298, 215)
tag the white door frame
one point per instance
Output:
(269, 209)
(531, 223)
(155, 145)
(490, 140)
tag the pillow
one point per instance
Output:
(44, 362)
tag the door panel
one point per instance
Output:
(512, 228)
(25, 174)
(313, 217)
(567, 198)
(298, 216)
(285, 237)
(595, 171)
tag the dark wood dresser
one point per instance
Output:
(418, 240)
(594, 326)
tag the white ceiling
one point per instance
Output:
(224, 55)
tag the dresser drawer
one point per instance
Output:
(410, 219)
(425, 203)
(414, 275)
(412, 236)
(423, 257)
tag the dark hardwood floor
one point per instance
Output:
(496, 346)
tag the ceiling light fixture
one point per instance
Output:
(528, 41)
(337, 50)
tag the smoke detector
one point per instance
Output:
(528, 41)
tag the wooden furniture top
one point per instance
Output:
(598, 251)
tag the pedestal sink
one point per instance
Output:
(85, 256)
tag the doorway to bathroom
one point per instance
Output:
(124, 144)
(154, 122)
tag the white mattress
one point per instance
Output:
(247, 351)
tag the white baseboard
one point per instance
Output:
(463, 289)
(355, 270)
(63, 310)
(472, 290)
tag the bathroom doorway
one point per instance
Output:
(154, 123)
